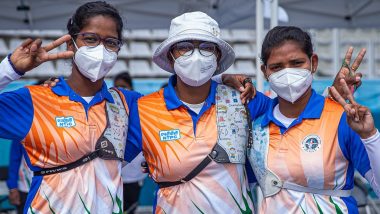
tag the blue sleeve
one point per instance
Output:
(134, 138)
(14, 164)
(251, 176)
(16, 114)
(352, 147)
(259, 105)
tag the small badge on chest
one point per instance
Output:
(311, 143)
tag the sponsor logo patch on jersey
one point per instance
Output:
(168, 135)
(311, 143)
(65, 122)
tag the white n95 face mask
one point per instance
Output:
(94, 62)
(290, 83)
(195, 70)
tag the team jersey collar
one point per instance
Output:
(63, 89)
(313, 110)
(173, 102)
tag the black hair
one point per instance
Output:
(88, 10)
(125, 77)
(280, 34)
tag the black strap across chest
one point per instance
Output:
(205, 162)
(83, 160)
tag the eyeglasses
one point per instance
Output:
(186, 48)
(93, 40)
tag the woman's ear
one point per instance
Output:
(263, 69)
(70, 46)
(314, 63)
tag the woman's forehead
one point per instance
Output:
(104, 26)
(287, 50)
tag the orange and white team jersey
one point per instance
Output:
(174, 141)
(317, 151)
(58, 128)
(25, 176)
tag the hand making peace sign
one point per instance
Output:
(359, 117)
(348, 73)
(31, 53)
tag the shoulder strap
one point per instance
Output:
(111, 144)
(231, 121)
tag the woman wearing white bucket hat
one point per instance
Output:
(193, 132)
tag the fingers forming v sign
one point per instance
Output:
(59, 55)
(359, 117)
(348, 73)
(31, 54)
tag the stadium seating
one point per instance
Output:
(120, 66)
(124, 52)
(140, 68)
(140, 49)
(246, 67)
(231, 70)
(46, 69)
(3, 47)
(158, 72)
(244, 51)
(140, 34)
(63, 67)
(14, 43)
(160, 34)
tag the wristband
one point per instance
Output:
(13, 66)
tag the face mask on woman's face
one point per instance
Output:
(291, 83)
(94, 62)
(195, 70)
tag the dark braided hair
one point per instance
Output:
(88, 10)
(280, 34)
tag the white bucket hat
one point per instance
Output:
(194, 26)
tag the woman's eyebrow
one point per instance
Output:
(275, 64)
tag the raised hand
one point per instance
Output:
(31, 53)
(348, 73)
(242, 83)
(359, 117)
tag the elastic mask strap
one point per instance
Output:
(172, 55)
(75, 44)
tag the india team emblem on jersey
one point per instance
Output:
(311, 143)
(169, 135)
(65, 122)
